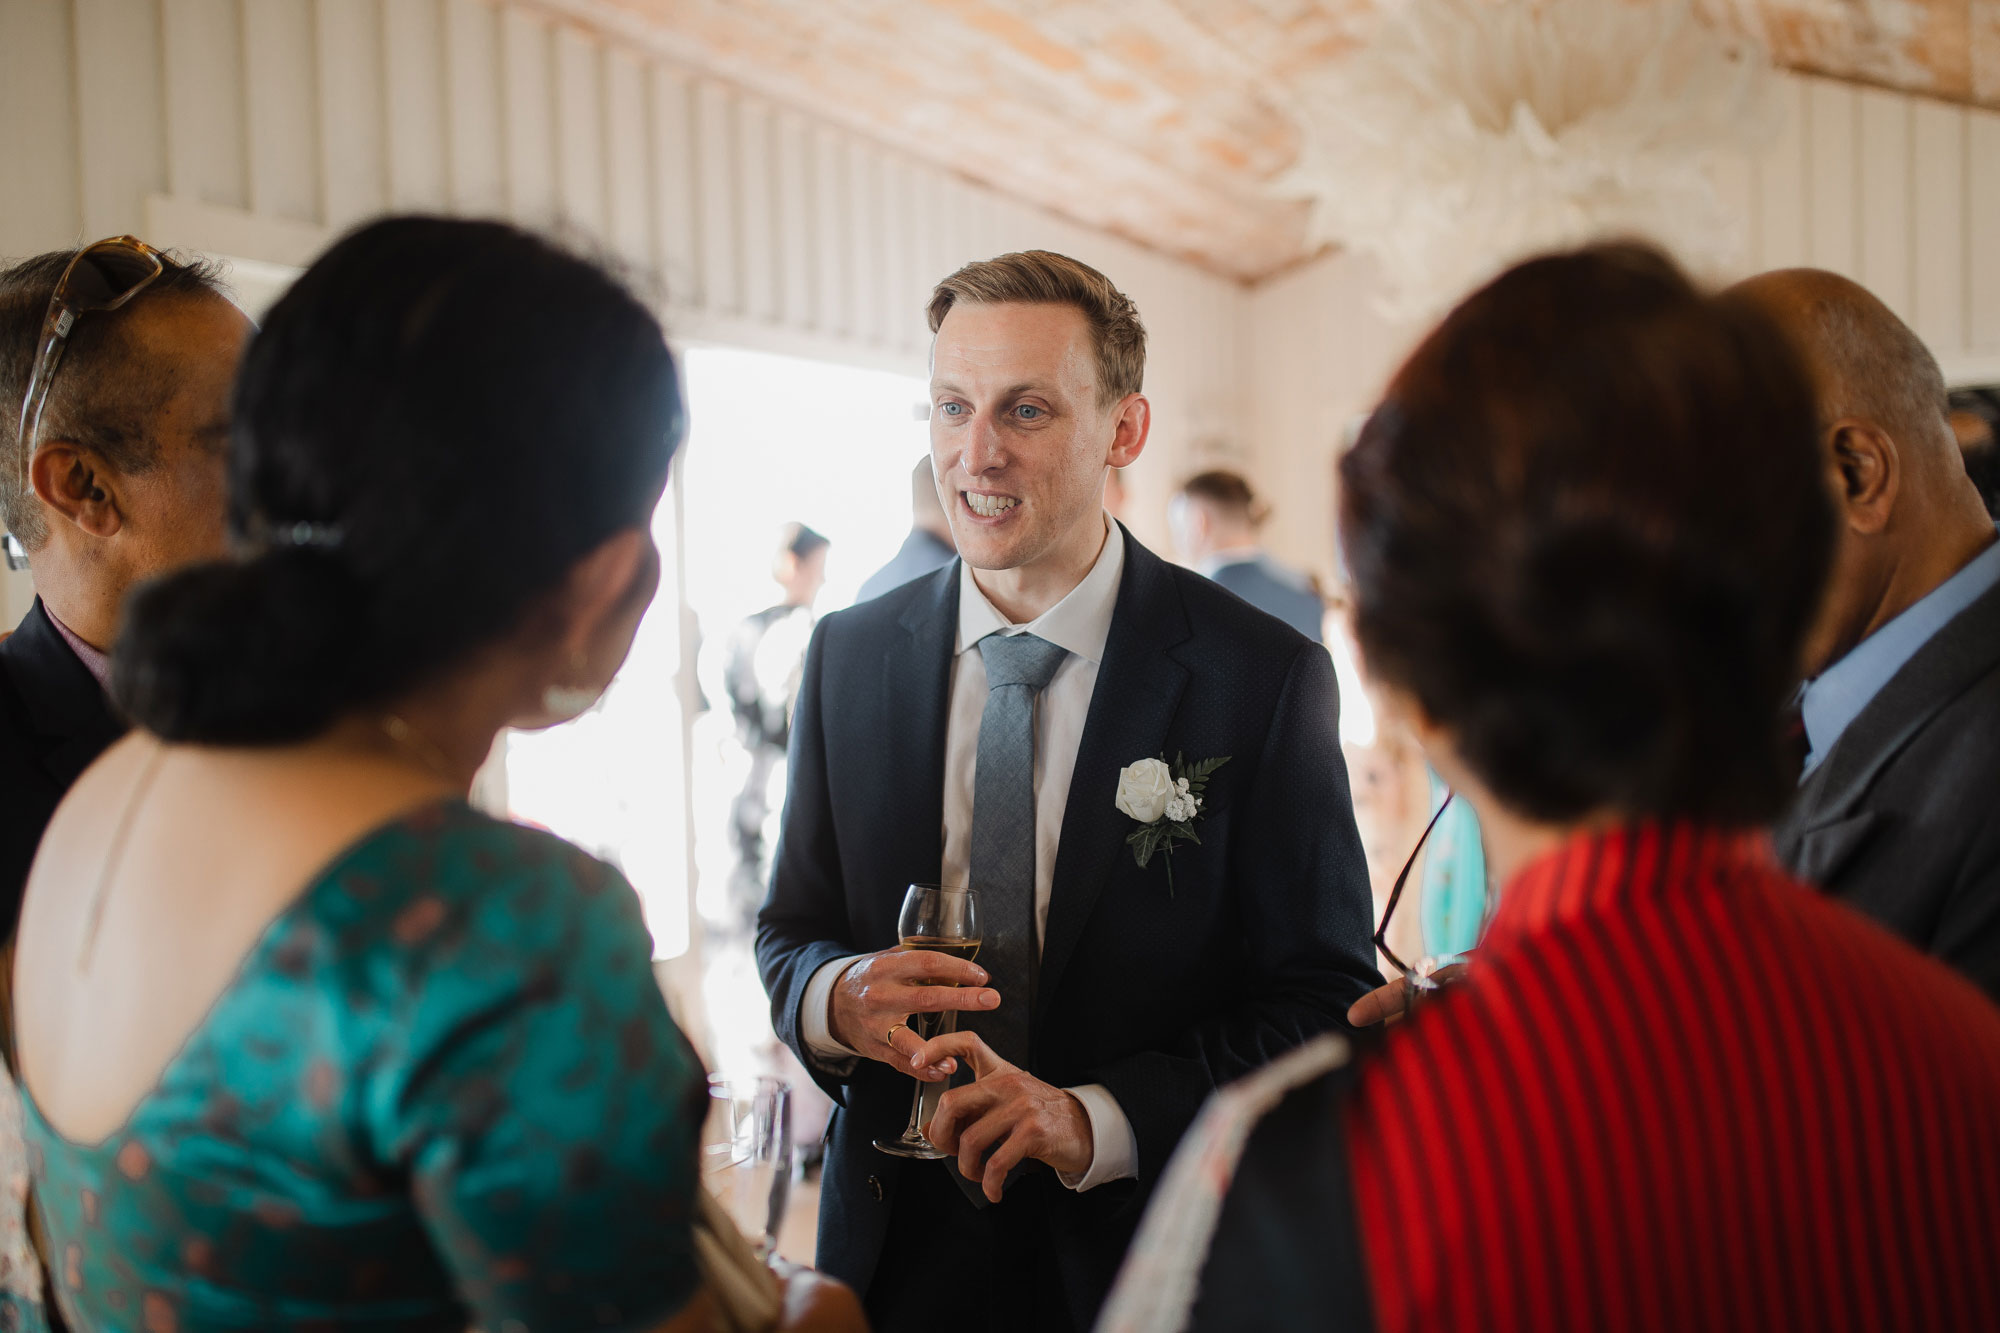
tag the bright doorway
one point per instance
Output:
(647, 780)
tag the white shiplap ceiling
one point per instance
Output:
(1166, 120)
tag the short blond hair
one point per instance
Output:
(1042, 277)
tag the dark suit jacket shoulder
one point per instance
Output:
(1902, 818)
(1272, 592)
(1204, 600)
(54, 723)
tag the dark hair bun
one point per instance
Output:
(449, 415)
(295, 616)
(1613, 668)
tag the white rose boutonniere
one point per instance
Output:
(1166, 801)
(1145, 789)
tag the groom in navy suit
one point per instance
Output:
(998, 725)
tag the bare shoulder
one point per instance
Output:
(161, 869)
(226, 823)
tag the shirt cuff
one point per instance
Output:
(815, 1031)
(1114, 1152)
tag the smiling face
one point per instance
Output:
(1019, 438)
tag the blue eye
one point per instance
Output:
(950, 409)
(1028, 411)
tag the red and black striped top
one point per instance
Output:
(1683, 1092)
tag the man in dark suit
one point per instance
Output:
(928, 547)
(1896, 811)
(125, 483)
(1215, 519)
(994, 725)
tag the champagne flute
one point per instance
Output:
(944, 920)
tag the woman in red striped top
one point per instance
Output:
(1677, 1090)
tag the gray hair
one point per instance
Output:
(104, 396)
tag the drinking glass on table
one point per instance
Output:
(944, 920)
(746, 1154)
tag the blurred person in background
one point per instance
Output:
(129, 409)
(766, 654)
(1678, 1089)
(929, 545)
(305, 1038)
(1900, 714)
(1215, 518)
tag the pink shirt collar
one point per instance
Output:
(97, 663)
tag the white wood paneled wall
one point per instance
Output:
(260, 129)
(1899, 193)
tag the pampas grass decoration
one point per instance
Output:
(1467, 134)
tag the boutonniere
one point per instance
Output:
(1166, 801)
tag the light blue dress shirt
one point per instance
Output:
(1835, 697)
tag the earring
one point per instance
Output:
(569, 702)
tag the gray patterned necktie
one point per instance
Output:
(1003, 835)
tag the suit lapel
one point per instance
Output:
(1959, 654)
(1819, 854)
(914, 700)
(1139, 686)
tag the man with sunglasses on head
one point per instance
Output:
(123, 480)
(115, 371)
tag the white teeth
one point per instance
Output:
(988, 506)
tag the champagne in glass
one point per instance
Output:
(941, 920)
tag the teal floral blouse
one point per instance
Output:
(443, 1091)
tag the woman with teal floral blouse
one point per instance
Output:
(306, 1042)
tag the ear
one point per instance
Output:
(599, 590)
(1867, 473)
(75, 483)
(1135, 421)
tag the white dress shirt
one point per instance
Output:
(1080, 623)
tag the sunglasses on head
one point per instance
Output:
(102, 276)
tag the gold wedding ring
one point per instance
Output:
(890, 1039)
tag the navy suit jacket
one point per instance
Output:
(1275, 591)
(1262, 944)
(54, 722)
